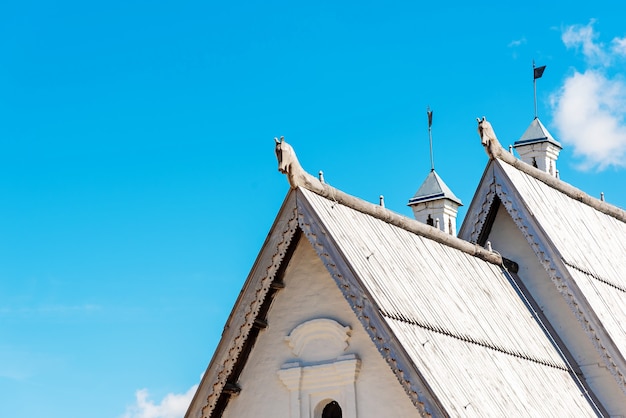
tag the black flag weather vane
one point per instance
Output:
(430, 137)
(537, 73)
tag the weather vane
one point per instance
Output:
(430, 137)
(537, 73)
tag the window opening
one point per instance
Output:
(332, 410)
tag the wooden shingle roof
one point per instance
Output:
(580, 240)
(454, 327)
(460, 320)
(458, 329)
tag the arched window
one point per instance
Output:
(332, 410)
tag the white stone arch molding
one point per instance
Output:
(319, 339)
(321, 371)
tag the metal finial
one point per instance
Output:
(489, 246)
(537, 73)
(602, 196)
(511, 149)
(381, 200)
(321, 176)
(430, 137)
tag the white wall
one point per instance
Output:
(311, 293)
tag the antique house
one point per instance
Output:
(352, 310)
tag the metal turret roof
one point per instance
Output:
(536, 132)
(433, 188)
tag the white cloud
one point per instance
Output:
(589, 113)
(589, 108)
(516, 42)
(172, 405)
(619, 46)
(584, 38)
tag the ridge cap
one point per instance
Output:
(298, 178)
(495, 151)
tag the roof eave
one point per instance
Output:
(252, 295)
(433, 197)
(521, 143)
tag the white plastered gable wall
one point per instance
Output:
(311, 294)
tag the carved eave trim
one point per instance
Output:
(246, 310)
(367, 311)
(552, 261)
(478, 212)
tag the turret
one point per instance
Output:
(538, 148)
(435, 204)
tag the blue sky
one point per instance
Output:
(137, 173)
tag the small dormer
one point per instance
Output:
(538, 148)
(435, 204)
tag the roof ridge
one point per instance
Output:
(288, 164)
(495, 151)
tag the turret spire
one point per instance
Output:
(434, 203)
(430, 137)
(537, 73)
